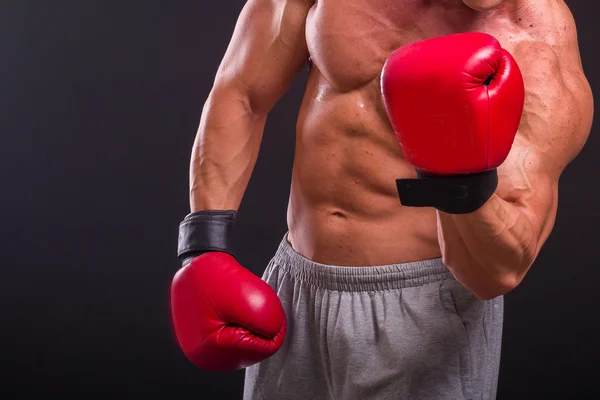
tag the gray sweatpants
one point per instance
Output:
(402, 331)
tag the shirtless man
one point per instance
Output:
(382, 301)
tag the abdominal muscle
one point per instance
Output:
(344, 208)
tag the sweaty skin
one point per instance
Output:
(344, 208)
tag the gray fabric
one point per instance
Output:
(402, 331)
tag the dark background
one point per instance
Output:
(100, 102)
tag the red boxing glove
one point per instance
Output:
(225, 317)
(455, 103)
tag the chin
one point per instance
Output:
(482, 5)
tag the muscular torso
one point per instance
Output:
(344, 208)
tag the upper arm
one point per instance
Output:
(555, 125)
(266, 52)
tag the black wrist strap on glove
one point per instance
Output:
(204, 231)
(456, 194)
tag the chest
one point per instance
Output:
(349, 40)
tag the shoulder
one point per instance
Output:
(530, 28)
(558, 104)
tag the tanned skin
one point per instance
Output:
(344, 208)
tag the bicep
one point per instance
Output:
(554, 127)
(266, 52)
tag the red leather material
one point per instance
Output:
(454, 102)
(225, 317)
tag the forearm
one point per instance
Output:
(490, 250)
(225, 151)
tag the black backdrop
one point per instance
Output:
(100, 102)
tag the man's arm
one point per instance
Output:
(266, 52)
(491, 250)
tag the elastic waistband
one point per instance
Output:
(359, 279)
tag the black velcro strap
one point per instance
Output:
(203, 231)
(457, 194)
